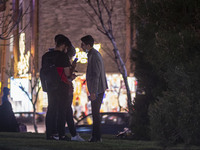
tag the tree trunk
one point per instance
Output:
(34, 119)
(123, 71)
(106, 29)
(128, 94)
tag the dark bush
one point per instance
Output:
(168, 35)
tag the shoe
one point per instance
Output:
(64, 138)
(77, 138)
(54, 137)
(93, 139)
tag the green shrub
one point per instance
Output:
(175, 117)
(169, 40)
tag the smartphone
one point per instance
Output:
(75, 60)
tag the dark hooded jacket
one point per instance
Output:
(8, 122)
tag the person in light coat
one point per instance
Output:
(96, 83)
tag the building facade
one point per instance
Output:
(38, 23)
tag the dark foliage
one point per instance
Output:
(169, 39)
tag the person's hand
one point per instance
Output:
(74, 64)
(92, 96)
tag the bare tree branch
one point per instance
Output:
(37, 93)
(109, 54)
(107, 30)
(93, 20)
(109, 13)
(23, 89)
(9, 22)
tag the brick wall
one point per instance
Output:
(69, 18)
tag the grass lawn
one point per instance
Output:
(34, 141)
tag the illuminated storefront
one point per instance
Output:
(19, 99)
(115, 98)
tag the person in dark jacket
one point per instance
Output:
(59, 99)
(8, 122)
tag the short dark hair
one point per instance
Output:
(61, 39)
(88, 39)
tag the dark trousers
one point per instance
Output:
(96, 105)
(69, 116)
(56, 112)
(63, 91)
(51, 116)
